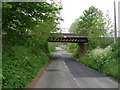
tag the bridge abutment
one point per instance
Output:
(82, 49)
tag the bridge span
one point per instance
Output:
(68, 37)
(71, 38)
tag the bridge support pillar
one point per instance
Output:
(82, 49)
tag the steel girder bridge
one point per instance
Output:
(68, 37)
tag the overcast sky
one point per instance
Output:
(72, 9)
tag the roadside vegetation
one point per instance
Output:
(51, 47)
(26, 29)
(104, 60)
(103, 55)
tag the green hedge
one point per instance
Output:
(20, 65)
(51, 47)
(25, 39)
(104, 60)
(73, 49)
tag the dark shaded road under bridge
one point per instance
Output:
(66, 72)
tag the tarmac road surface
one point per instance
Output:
(64, 71)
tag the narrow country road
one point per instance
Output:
(66, 72)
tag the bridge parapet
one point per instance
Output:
(68, 37)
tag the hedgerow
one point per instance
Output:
(21, 65)
(26, 29)
(104, 60)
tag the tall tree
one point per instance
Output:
(20, 18)
(74, 26)
(92, 23)
(26, 28)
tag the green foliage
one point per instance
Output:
(73, 49)
(51, 47)
(103, 55)
(112, 71)
(64, 47)
(74, 26)
(103, 42)
(94, 24)
(21, 18)
(21, 65)
(104, 60)
(91, 20)
(26, 29)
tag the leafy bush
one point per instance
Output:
(26, 29)
(73, 49)
(51, 47)
(64, 47)
(103, 42)
(111, 68)
(104, 60)
(21, 66)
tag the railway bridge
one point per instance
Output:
(71, 38)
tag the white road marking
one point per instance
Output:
(72, 75)
(76, 82)
(111, 79)
(65, 64)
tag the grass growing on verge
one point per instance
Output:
(21, 65)
(104, 60)
(51, 47)
(72, 48)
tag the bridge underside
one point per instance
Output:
(68, 37)
(69, 40)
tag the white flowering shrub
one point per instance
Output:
(101, 52)
(99, 57)
(103, 60)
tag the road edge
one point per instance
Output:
(32, 83)
(109, 77)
